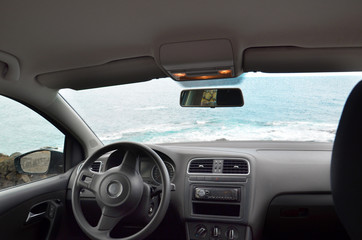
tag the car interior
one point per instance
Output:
(219, 189)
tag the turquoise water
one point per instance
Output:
(277, 107)
(22, 130)
(300, 107)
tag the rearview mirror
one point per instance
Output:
(217, 97)
(40, 162)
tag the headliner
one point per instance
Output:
(49, 36)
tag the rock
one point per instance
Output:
(25, 178)
(11, 176)
(8, 175)
(3, 168)
(3, 157)
(6, 184)
(11, 165)
(14, 155)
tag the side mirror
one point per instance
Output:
(40, 162)
(218, 97)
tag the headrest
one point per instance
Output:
(346, 166)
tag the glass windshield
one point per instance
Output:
(292, 107)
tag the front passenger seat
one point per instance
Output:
(346, 166)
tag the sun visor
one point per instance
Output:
(197, 60)
(112, 73)
(9, 67)
(295, 60)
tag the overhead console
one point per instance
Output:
(217, 193)
(198, 60)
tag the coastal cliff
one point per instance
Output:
(8, 175)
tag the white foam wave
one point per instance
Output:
(111, 137)
(287, 131)
(277, 131)
(150, 108)
(160, 128)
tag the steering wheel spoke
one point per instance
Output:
(130, 162)
(88, 180)
(108, 220)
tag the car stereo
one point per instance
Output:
(216, 194)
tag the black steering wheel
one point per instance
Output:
(119, 191)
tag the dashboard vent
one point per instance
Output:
(96, 166)
(235, 166)
(201, 166)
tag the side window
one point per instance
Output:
(31, 148)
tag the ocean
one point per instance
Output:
(292, 107)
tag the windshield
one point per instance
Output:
(292, 107)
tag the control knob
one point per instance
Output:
(216, 231)
(231, 234)
(200, 231)
(200, 192)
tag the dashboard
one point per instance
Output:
(147, 167)
(150, 172)
(247, 190)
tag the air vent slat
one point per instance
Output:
(235, 166)
(96, 166)
(201, 166)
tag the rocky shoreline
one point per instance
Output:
(8, 175)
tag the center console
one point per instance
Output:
(217, 199)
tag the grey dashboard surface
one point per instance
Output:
(276, 168)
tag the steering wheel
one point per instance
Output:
(119, 191)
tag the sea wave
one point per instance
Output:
(165, 129)
(278, 131)
(150, 108)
